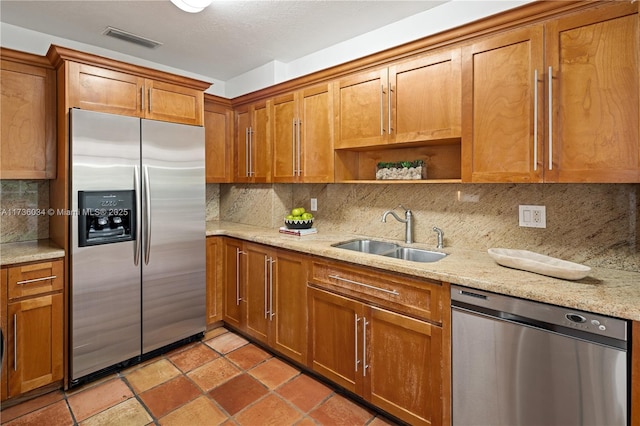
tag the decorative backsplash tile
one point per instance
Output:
(23, 205)
(594, 224)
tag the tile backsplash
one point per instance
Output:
(594, 224)
(23, 205)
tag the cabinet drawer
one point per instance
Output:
(420, 298)
(35, 278)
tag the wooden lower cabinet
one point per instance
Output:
(265, 294)
(391, 360)
(3, 326)
(214, 280)
(35, 331)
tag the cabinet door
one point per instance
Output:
(426, 98)
(260, 144)
(5, 331)
(361, 103)
(595, 130)
(99, 89)
(258, 265)
(233, 283)
(28, 129)
(284, 131)
(35, 335)
(315, 131)
(288, 307)
(170, 102)
(335, 338)
(503, 119)
(241, 143)
(404, 375)
(215, 278)
(218, 134)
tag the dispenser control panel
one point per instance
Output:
(106, 217)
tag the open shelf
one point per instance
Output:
(442, 158)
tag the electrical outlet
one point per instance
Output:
(314, 205)
(533, 216)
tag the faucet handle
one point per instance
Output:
(403, 208)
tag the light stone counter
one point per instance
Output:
(605, 291)
(29, 251)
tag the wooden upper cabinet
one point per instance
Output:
(100, 84)
(577, 121)
(170, 102)
(416, 100)
(252, 144)
(501, 140)
(99, 89)
(361, 110)
(27, 112)
(424, 98)
(302, 136)
(595, 101)
(218, 133)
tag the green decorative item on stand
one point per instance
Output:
(401, 170)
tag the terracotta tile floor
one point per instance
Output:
(222, 380)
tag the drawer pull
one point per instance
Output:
(35, 280)
(335, 277)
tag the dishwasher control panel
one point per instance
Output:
(538, 313)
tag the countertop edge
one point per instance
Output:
(29, 251)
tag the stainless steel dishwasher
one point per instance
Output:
(518, 362)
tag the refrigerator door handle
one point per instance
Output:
(147, 210)
(136, 241)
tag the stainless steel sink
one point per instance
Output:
(393, 250)
(367, 246)
(415, 255)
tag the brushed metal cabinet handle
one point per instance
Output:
(364, 347)
(35, 280)
(266, 285)
(535, 120)
(336, 277)
(299, 148)
(142, 98)
(293, 146)
(381, 110)
(357, 361)
(550, 118)
(272, 314)
(238, 253)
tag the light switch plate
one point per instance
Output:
(533, 216)
(314, 205)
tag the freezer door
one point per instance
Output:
(104, 280)
(173, 233)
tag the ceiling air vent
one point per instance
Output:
(131, 38)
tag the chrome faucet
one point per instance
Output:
(440, 236)
(408, 221)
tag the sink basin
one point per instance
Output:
(391, 250)
(415, 255)
(367, 246)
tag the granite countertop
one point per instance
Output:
(604, 291)
(29, 251)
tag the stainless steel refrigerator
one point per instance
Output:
(137, 238)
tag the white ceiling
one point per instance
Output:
(227, 39)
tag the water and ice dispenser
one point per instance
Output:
(106, 217)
